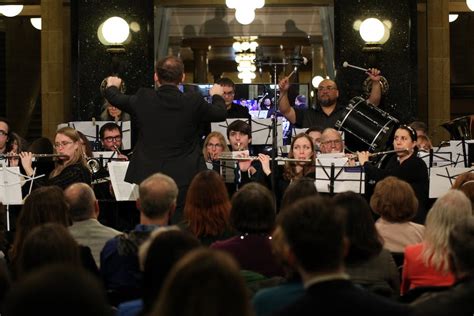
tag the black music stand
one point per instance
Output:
(334, 176)
(442, 179)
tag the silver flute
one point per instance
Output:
(223, 157)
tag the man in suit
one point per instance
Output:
(169, 123)
(310, 237)
(86, 229)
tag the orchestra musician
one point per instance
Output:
(214, 146)
(69, 168)
(405, 165)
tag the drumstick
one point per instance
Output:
(305, 61)
(346, 64)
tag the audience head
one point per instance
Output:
(214, 145)
(311, 233)
(45, 245)
(229, 90)
(111, 136)
(394, 200)
(315, 133)
(331, 141)
(169, 70)
(239, 135)
(207, 207)
(364, 240)
(157, 256)
(253, 209)
(446, 212)
(57, 290)
(465, 183)
(204, 282)
(158, 194)
(82, 202)
(298, 189)
(461, 248)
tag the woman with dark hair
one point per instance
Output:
(405, 165)
(298, 189)
(253, 216)
(70, 168)
(366, 262)
(302, 147)
(204, 282)
(207, 208)
(16, 144)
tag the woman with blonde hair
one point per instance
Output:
(70, 168)
(214, 145)
(427, 263)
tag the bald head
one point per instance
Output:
(158, 195)
(331, 141)
(82, 202)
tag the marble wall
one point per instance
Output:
(397, 59)
(91, 62)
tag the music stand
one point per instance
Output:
(442, 179)
(221, 127)
(459, 148)
(123, 191)
(262, 132)
(436, 158)
(334, 176)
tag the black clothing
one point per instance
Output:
(238, 111)
(316, 117)
(341, 297)
(414, 171)
(71, 174)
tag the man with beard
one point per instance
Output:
(327, 110)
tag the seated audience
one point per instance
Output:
(366, 262)
(298, 189)
(119, 258)
(426, 263)
(395, 201)
(86, 229)
(465, 183)
(207, 208)
(252, 215)
(312, 236)
(157, 257)
(204, 282)
(458, 299)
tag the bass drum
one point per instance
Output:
(366, 127)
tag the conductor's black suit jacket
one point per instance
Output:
(168, 139)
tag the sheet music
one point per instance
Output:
(262, 132)
(442, 179)
(123, 191)
(88, 128)
(10, 186)
(345, 178)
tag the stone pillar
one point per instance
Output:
(438, 68)
(52, 66)
(200, 64)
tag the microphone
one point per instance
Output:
(297, 60)
(259, 59)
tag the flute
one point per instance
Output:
(256, 158)
(354, 156)
(8, 156)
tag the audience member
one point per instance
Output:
(465, 183)
(458, 299)
(204, 282)
(207, 208)
(367, 263)
(86, 229)
(312, 236)
(426, 263)
(298, 189)
(252, 215)
(395, 201)
(119, 258)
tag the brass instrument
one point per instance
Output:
(94, 165)
(224, 157)
(8, 156)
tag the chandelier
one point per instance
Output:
(244, 48)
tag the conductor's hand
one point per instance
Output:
(374, 74)
(284, 84)
(216, 89)
(363, 157)
(114, 81)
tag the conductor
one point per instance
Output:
(169, 123)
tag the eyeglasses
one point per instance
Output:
(329, 88)
(229, 93)
(214, 145)
(110, 139)
(332, 142)
(62, 144)
(3, 133)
